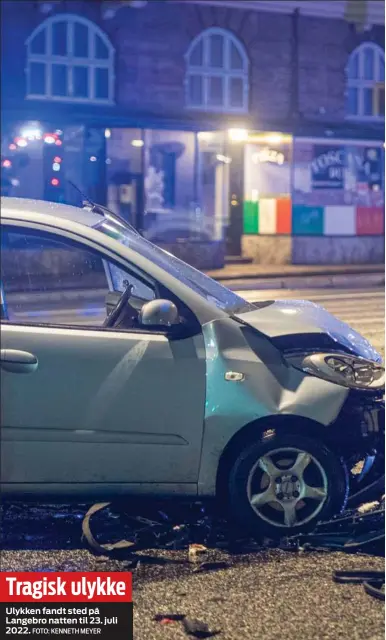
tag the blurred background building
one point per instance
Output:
(225, 130)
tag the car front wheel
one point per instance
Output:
(284, 484)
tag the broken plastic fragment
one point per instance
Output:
(368, 506)
(198, 629)
(167, 618)
(195, 550)
(211, 566)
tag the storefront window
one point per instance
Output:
(267, 184)
(23, 159)
(170, 156)
(124, 149)
(335, 173)
(338, 188)
(172, 185)
(171, 206)
(186, 185)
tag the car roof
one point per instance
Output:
(25, 209)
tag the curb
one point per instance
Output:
(220, 276)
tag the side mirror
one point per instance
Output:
(159, 313)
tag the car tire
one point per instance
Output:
(284, 484)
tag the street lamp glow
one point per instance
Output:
(31, 134)
(274, 138)
(31, 131)
(238, 135)
(107, 133)
(137, 143)
(21, 142)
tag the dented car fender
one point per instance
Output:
(247, 379)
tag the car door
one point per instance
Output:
(82, 407)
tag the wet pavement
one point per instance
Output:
(241, 591)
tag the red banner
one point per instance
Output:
(65, 587)
(370, 221)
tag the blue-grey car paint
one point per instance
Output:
(269, 387)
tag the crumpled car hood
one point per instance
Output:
(301, 324)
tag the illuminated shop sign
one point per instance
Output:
(331, 163)
(327, 167)
(268, 155)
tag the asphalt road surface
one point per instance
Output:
(259, 595)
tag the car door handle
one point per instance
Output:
(18, 361)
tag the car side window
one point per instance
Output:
(47, 280)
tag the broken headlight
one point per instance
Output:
(349, 371)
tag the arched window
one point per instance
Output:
(217, 73)
(366, 82)
(69, 58)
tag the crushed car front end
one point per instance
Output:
(320, 345)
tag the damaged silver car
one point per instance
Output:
(125, 371)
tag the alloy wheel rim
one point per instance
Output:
(287, 487)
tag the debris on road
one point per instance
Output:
(94, 544)
(195, 550)
(373, 581)
(168, 618)
(370, 492)
(368, 506)
(358, 530)
(177, 588)
(196, 531)
(211, 566)
(198, 629)
(194, 628)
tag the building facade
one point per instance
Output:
(218, 128)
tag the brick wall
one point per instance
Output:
(324, 49)
(151, 42)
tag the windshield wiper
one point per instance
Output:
(101, 210)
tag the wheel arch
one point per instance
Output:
(280, 423)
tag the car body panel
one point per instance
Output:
(269, 387)
(28, 209)
(120, 412)
(102, 407)
(300, 317)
